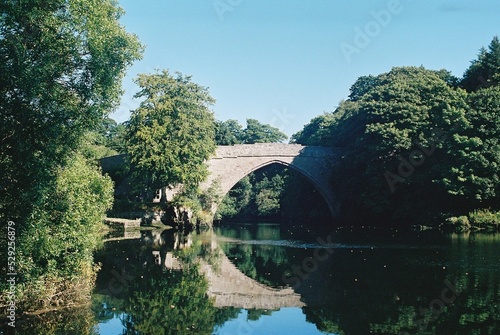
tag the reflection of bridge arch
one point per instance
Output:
(231, 163)
(229, 287)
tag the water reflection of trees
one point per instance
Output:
(393, 290)
(172, 302)
(75, 321)
(264, 263)
(410, 300)
(154, 299)
(350, 293)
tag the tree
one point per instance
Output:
(237, 199)
(56, 251)
(362, 85)
(476, 175)
(409, 119)
(61, 70)
(115, 138)
(317, 131)
(256, 132)
(111, 134)
(228, 132)
(485, 70)
(61, 67)
(107, 139)
(390, 127)
(93, 146)
(268, 195)
(171, 134)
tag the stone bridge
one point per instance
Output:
(231, 163)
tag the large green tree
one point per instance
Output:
(476, 176)
(399, 130)
(484, 71)
(228, 132)
(257, 132)
(317, 131)
(55, 254)
(171, 134)
(404, 131)
(61, 67)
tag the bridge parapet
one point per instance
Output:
(274, 149)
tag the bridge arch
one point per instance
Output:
(231, 163)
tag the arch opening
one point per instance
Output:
(274, 191)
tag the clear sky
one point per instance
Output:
(284, 62)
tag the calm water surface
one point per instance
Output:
(266, 279)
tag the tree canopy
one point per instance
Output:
(171, 135)
(413, 132)
(62, 65)
(230, 132)
(62, 62)
(484, 71)
(256, 132)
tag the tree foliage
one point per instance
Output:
(257, 195)
(230, 132)
(61, 67)
(405, 129)
(171, 134)
(412, 132)
(317, 131)
(256, 132)
(56, 252)
(484, 71)
(476, 176)
(274, 193)
(61, 70)
(399, 129)
(107, 139)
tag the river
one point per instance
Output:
(271, 279)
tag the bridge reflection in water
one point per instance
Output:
(227, 285)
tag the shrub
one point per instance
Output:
(56, 247)
(485, 218)
(460, 223)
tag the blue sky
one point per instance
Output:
(285, 62)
